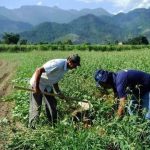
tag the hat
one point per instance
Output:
(75, 59)
(101, 76)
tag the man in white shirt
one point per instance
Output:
(45, 79)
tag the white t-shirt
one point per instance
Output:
(54, 71)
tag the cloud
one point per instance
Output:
(132, 4)
(137, 4)
(124, 5)
(144, 4)
(121, 3)
(128, 5)
(39, 3)
(117, 2)
(91, 1)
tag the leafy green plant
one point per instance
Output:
(107, 132)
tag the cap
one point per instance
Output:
(75, 59)
(101, 76)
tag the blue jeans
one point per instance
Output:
(145, 104)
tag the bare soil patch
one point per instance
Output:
(6, 73)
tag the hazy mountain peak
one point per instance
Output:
(38, 14)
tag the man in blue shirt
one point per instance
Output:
(124, 82)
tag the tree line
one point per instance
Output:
(13, 38)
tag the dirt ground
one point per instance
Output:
(7, 70)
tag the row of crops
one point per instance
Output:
(107, 132)
(63, 47)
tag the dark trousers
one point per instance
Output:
(35, 107)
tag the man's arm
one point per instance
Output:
(58, 91)
(38, 74)
(121, 107)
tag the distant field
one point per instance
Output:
(106, 133)
(66, 47)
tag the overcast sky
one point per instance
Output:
(112, 6)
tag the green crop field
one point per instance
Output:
(106, 132)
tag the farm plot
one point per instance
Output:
(106, 132)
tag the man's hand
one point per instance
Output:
(61, 95)
(37, 90)
(57, 90)
(120, 111)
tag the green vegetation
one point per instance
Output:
(10, 38)
(106, 133)
(66, 47)
(94, 29)
(138, 41)
(92, 26)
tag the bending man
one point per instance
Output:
(122, 83)
(45, 79)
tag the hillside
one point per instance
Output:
(134, 23)
(46, 32)
(8, 25)
(88, 28)
(13, 26)
(93, 29)
(97, 26)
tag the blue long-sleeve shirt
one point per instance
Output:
(137, 81)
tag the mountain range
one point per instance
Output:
(7, 25)
(50, 24)
(38, 14)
